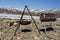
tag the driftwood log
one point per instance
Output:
(46, 17)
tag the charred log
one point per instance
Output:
(42, 30)
(49, 29)
(24, 22)
(26, 30)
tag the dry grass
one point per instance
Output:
(6, 31)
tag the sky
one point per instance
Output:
(32, 4)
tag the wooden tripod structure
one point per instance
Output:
(21, 20)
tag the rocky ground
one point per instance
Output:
(7, 31)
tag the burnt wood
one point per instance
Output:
(25, 22)
(26, 30)
(49, 29)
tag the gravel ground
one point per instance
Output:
(6, 31)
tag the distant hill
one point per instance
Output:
(34, 12)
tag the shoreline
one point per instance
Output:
(15, 16)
